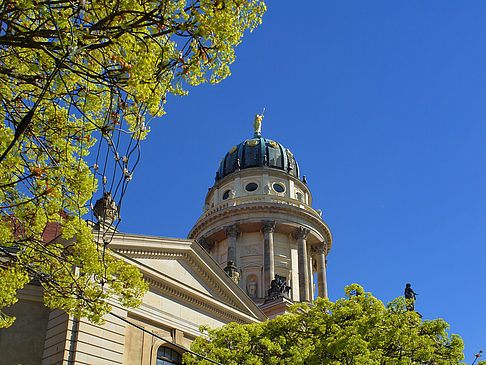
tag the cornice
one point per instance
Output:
(184, 296)
(262, 207)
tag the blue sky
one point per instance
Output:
(383, 105)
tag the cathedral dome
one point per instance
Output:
(259, 225)
(258, 152)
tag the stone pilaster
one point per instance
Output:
(232, 233)
(268, 255)
(301, 237)
(320, 251)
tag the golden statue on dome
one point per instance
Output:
(257, 124)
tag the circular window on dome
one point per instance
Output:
(278, 187)
(226, 194)
(251, 187)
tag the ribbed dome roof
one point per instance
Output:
(258, 152)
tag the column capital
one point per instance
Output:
(301, 233)
(208, 245)
(319, 248)
(232, 231)
(268, 226)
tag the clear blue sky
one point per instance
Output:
(383, 104)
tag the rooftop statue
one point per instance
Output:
(257, 124)
(410, 294)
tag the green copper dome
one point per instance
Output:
(258, 152)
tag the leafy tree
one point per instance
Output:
(88, 75)
(357, 329)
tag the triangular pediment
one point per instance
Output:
(182, 270)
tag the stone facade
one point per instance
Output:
(187, 289)
(251, 254)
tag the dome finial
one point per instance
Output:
(257, 124)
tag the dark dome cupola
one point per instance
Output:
(258, 152)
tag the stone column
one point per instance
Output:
(232, 233)
(311, 277)
(268, 256)
(320, 251)
(301, 237)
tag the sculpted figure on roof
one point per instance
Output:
(257, 124)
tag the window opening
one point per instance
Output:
(278, 188)
(251, 187)
(167, 356)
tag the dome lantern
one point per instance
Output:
(258, 152)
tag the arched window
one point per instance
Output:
(167, 356)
